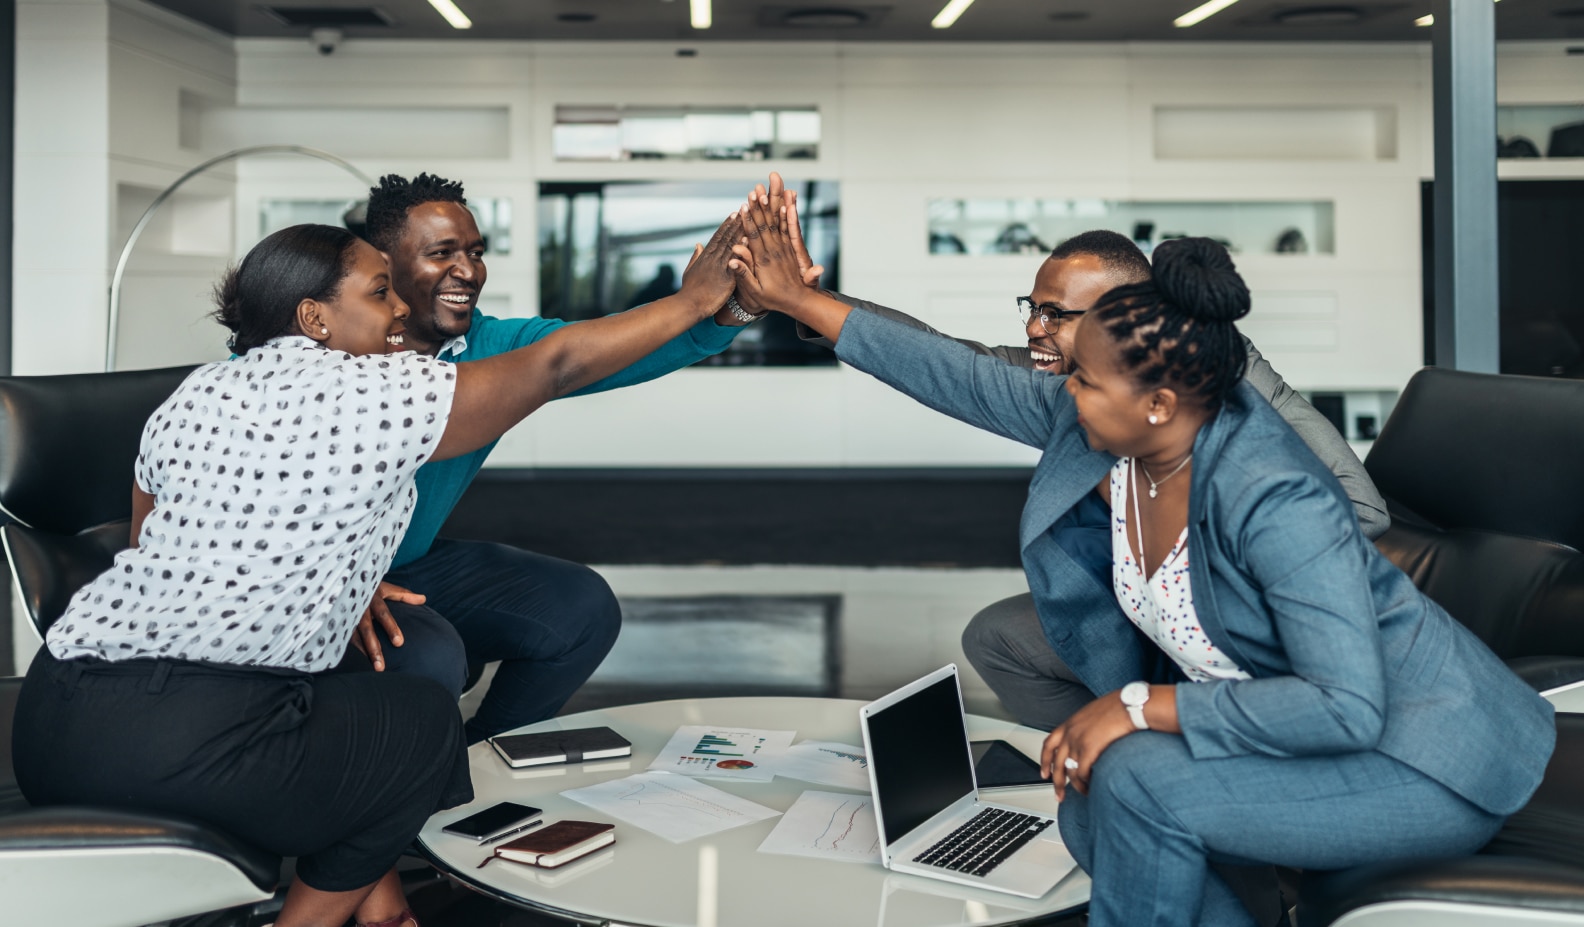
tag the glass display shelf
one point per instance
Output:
(494, 217)
(1034, 226)
(659, 133)
(1548, 131)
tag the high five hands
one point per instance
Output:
(774, 271)
(708, 279)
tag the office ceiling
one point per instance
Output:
(870, 21)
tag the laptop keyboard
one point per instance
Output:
(983, 842)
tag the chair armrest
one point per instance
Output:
(78, 828)
(1547, 673)
(1498, 881)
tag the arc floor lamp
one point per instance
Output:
(114, 321)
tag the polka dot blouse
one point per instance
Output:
(1162, 605)
(282, 484)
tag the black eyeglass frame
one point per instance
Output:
(1047, 313)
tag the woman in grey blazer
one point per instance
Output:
(1325, 713)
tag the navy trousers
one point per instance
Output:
(549, 622)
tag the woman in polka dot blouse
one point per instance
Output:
(271, 491)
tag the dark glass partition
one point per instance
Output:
(607, 246)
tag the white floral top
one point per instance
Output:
(1162, 606)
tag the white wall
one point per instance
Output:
(902, 124)
(98, 90)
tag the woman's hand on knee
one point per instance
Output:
(1069, 752)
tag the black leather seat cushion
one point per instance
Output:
(1536, 861)
(72, 828)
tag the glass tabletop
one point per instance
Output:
(722, 880)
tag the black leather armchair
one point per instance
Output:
(67, 448)
(1481, 476)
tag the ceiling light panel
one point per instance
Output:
(1201, 13)
(453, 15)
(701, 14)
(949, 13)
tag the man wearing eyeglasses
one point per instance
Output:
(1005, 641)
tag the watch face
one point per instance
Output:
(1135, 693)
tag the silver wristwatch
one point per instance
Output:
(1134, 695)
(739, 313)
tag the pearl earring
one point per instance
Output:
(326, 331)
(1153, 420)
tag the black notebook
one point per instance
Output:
(575, 746)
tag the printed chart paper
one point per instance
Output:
(827, 825)
(841, 765)
(724, 753)
(674, 807)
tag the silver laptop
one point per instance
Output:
(927, 805)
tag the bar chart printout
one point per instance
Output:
(747, 754)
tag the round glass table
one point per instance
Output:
(722, 880)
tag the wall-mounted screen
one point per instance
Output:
(607, 246)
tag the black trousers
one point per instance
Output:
(340, 771)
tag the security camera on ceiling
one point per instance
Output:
(326, 40)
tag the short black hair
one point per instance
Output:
(1179, 329)
(1121, 258)
(390, 200)
(258, 298)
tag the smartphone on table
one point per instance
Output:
(496, 822)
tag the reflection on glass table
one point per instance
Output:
(607, 246)
(725, 879)
(1034, 226)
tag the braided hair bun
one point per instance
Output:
(1198, 277)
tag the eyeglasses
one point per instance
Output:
(1050, 317)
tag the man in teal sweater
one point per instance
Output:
(447, 603)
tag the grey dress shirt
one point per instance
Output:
(1315, 430)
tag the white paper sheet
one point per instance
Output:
(841, 765)
(827, 825)
(724, 753)
(674, 807)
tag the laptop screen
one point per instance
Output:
(918, 749)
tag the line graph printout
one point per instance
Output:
(827, 825)
(826, 763)
(723, 753)
(674, 807)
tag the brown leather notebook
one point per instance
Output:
(558, 843)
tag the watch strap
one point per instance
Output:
(741, 314)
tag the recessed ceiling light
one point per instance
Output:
(1320, 16)
(949, 13)
(1201, 13)
(576, 17)
(454, 16)
(700, 12)
(1427, 19)
(828, 17)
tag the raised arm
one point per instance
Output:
(495, 393)
(1020, 404)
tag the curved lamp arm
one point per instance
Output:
(114, 322)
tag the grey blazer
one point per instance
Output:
(1345, 653)
(1311, 426)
